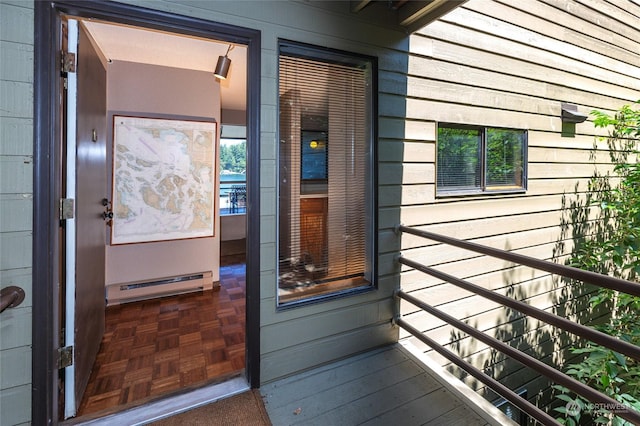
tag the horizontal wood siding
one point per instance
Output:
(507, 64)
(16, 195)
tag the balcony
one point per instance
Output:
(401, 384)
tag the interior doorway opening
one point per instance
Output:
(184, 323)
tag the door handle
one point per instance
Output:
(10, 297)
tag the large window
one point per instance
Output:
(475, 159)
(326, 232)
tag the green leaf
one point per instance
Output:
(565, 397)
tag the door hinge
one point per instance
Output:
(67, 208)
(65, 357)
(68, 61)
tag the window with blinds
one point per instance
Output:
(326, 173)
(473, 159)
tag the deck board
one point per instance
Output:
(381, 387)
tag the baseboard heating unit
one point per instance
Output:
(168, 286)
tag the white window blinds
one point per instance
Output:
(325, 170)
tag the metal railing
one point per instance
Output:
(558, 377)
(10, 297)
(233, 196)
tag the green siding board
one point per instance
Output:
(292, 360)
(16, 327)
(16, 136)
(324, 324)
(15, 364)
(391, 128)
(16, 62)
(16, 250)
(15, 405)
(272, 316)
(16, 175)
(16, 213)
(16, 22)
(17, 99)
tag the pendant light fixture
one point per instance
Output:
(222, 67)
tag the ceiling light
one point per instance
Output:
(222, 67)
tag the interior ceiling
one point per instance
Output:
(134, 44)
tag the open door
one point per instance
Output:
(85, 304)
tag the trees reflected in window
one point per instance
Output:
(475, 159)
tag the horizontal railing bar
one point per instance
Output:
(495, 385)
(566, 271)
(595, 336)
(528, 361)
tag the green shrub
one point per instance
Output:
(613, 248)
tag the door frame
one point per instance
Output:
(47, 177)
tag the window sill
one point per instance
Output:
(479, 193)
(315, 293)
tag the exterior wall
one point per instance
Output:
(470, 67)
(16, 194)
(507, 64)
(292, 340)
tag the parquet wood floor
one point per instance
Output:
(157, 346)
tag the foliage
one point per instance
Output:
(614, 249)
(233, 157)
(458, 157)
(461, 157)
(504, 156)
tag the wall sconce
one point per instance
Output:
(222, 67)
(570, 114)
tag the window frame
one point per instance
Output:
(483, 188)
(334, 56)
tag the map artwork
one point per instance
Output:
(163, 179)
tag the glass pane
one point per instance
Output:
(233, 176)
(505, 157)
(325, 167)
(458, 158)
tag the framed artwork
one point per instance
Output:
(163, 179)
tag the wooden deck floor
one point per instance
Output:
(383, 387)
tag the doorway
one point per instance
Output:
(48, 192)
(163, 108)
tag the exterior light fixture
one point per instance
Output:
(222, 67)
(570, 114)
